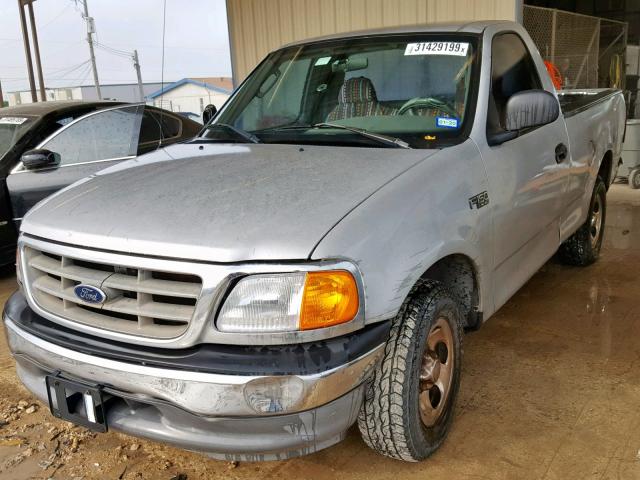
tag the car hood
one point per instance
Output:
(219, 203)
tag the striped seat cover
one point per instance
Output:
(357, 98)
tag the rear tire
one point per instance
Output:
(408, 406)
(634, 178)
(583, 247)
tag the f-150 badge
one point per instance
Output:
(479, 200)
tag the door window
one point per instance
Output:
(171, 126)
(11, 131)
(101, 136)
(150, 133)
(512, 71)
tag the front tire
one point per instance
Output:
(408, 407)
(634, 178)
(583, 247)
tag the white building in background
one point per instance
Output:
(124, 92)
(192, 94)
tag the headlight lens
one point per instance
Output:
(18, 268)
(290, 302)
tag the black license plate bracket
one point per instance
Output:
(77, 402)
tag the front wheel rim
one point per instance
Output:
(436, 374)
(595, 222)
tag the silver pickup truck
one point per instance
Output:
(313, 258)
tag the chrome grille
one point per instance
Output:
(139, 302)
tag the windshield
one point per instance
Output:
(11, 129)
(413, 88)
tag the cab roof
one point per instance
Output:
(476, 27)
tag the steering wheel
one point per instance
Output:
(427, 102)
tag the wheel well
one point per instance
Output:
(606, 168)
(458, 273)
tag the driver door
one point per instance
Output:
(528, 179)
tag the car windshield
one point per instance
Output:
(416, 89)
(11, 129)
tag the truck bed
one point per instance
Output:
(595, 124)
(576, 101)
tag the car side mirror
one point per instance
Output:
(40, 158)
(530, 108)
(209, 112)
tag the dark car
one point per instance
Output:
(191, 116)
(47, 146)
(22, 128)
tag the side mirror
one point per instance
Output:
(208, 113)
(531, 108)
(40, 158)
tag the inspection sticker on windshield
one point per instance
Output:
(438, 48)
(447, 122)
(12, 120)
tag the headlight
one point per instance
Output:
(290, 302)
(18, 268)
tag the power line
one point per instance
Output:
(62, 12)
(112, 50)
(131, 56)
(55, 71)
(75, 4)
(42, 27)
(117, 81)
(91, 30)
(67, 70)
(87, 71)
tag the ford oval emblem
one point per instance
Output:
(89, 294)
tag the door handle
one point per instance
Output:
(561, 153)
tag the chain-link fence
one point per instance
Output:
(633, 80)
(613, 46)
(584, 51)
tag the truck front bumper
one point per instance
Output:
(239, 417)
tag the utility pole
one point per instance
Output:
(91, 29)
(27, 51)
(1, 97)
(36, 49)
(136, 65)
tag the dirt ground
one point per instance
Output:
(550, 390)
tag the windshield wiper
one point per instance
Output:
(385, 139)
(250, 137)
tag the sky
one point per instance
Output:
(196, 41)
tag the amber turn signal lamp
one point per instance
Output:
(329, 298)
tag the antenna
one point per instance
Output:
(164, 27)
(164, 18)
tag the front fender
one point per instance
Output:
(417, 219)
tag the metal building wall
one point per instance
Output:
(257, 27)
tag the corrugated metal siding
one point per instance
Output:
(257, 27)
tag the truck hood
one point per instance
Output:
(219, 203)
